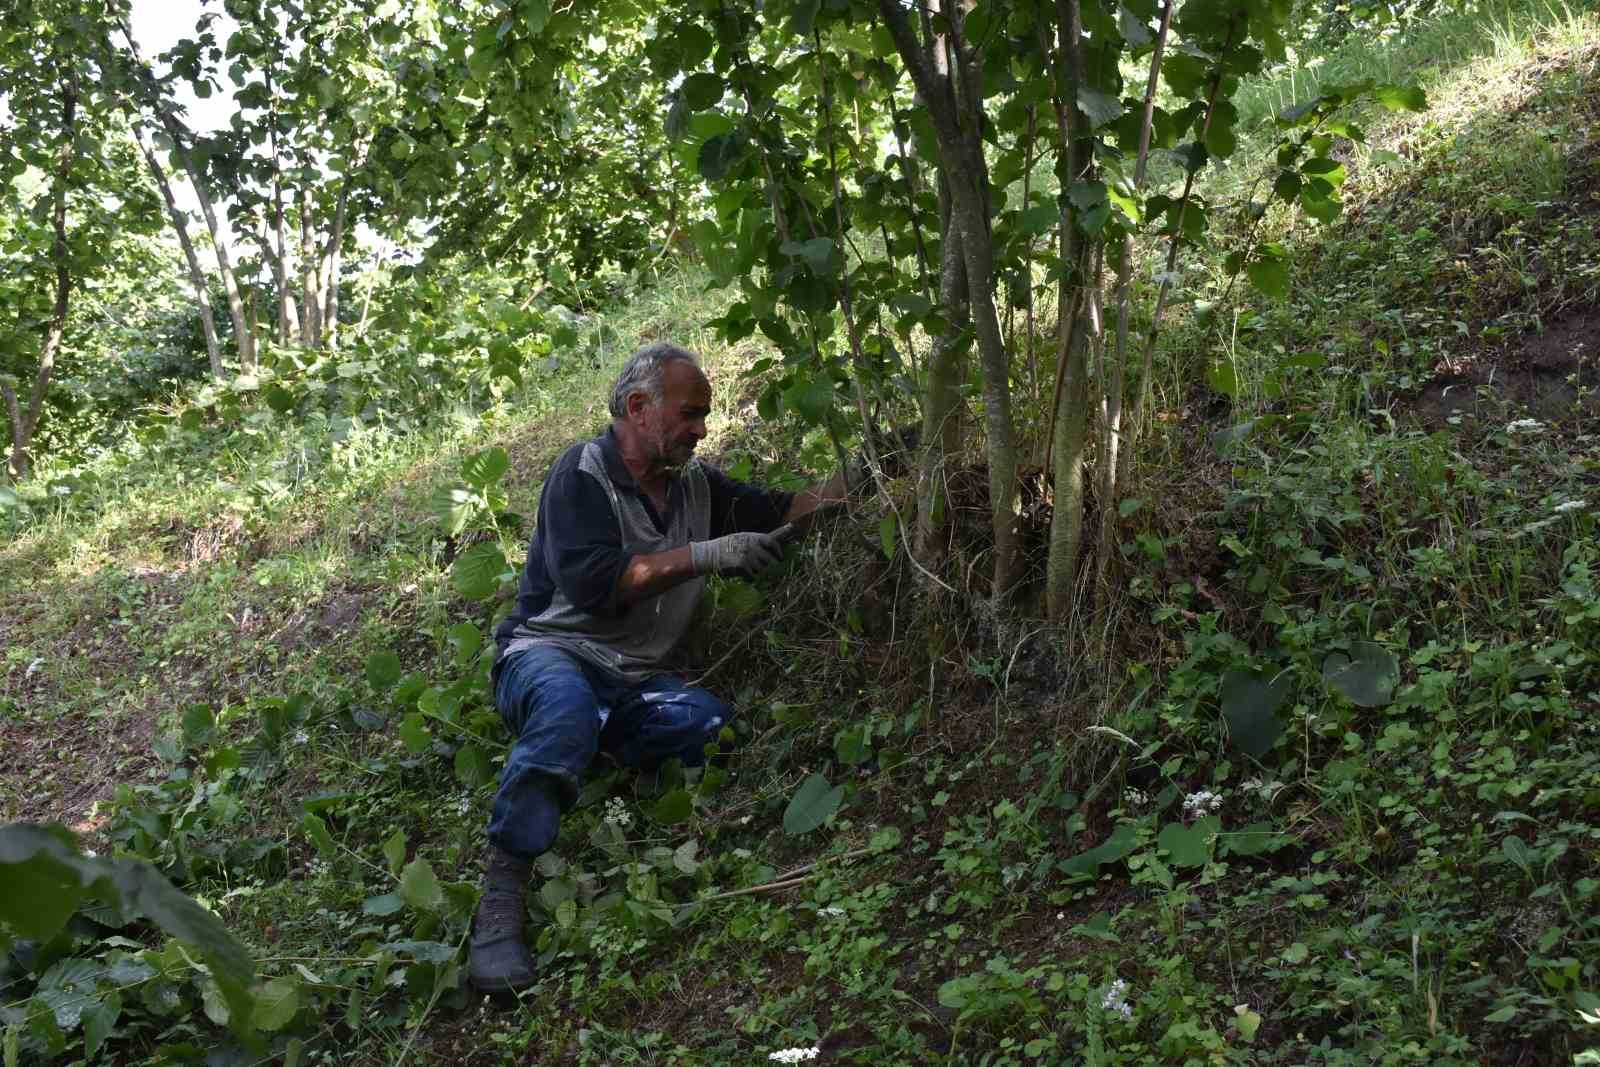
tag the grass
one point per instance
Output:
(1332, 798)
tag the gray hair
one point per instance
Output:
(643, 373)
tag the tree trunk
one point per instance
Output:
(1111, 461)
(330, 302)
(941, 418)
(1070, 417)
(24, 423)
(197, 278)
(279, 259)
(310, 305)
(961, 155)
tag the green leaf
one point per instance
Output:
(1101, 108)
(394, 850)
(535, 15)
(453, 507)
(383, 670)
(1296, 953)
(276, 1004)
(1250, 708)
(483, 469)
(382, 906)
(812, 398)
(701, 91)
(1271, 276)
(1189, 846)
(414, 733)
(476, 573)
(316, 832)
(279, 399)
(1123, 840)
(817, 252)
(803, 18)
(812, 805)
(199, 724)
(675, 806)
(1504, 1015)
(853, 744)
(1401, 97)
(466, 639)
(98, 1023)
(1254, 840)
(719, 155)
(1366, 677)
(43, 879)
(1133, 28)
(419, 888)
(886, 535)
(472, 766)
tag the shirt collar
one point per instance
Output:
(616, 470)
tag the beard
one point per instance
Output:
(666, 453)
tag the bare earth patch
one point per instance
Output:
(1552, 375)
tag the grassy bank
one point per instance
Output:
(1322, 784)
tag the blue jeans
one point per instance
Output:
(552, 702)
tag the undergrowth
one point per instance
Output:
(1323, 788)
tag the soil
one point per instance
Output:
(1553, 375)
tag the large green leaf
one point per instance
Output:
(453, 507)
(277, 1003)
(419, 887)
(1123, 840)
(1189, 846)
(1271, 276)
(1101, 108)
(383, 670)
(701, 91)
(1250, 708)
(1366, 676)
(675, 806)
(812, 805)
(720, 154)
(476, 573)
(483, 469)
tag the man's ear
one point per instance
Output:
(635, 406)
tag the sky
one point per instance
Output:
(160, 24)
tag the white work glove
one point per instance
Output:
(737, 555)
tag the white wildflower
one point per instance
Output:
(1134, 799)
(1202, 803)
(617, 813)
(300, 737)
(1116, 999)
(1524, 426)
(831, 911)
(1569, 505)
(794, 1055)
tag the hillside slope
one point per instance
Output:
(1321, 786)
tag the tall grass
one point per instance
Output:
(1421, 51)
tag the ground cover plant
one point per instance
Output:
(1316, 781)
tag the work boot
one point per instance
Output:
(498, 961)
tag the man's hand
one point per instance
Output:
(737, 555)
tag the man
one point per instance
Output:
(629, 527)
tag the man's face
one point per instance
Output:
(672, 428)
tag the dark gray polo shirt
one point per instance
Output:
(593, 519)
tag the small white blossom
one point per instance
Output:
(1202, 803)
(794, 1055)
(1524, 426)
(300, 737)
(1134, 799)
(831, 911)
(617, 813)
(1116, 999)
(1568, 505)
